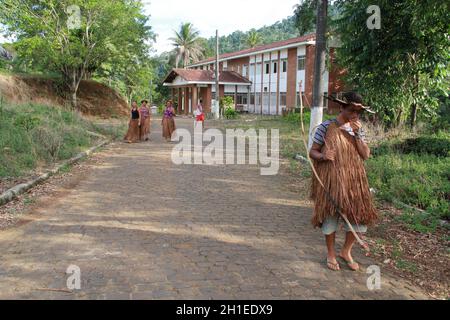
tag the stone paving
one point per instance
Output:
(140, 227)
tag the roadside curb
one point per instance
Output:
(13, 192)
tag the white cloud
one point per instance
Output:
(207, 16)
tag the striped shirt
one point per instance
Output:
(319, 135)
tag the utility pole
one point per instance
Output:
(217, 108)
(151, 88)
(319, 68)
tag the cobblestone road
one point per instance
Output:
(140, 227)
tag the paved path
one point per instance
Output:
(140, 227)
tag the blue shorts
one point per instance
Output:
(330, 225)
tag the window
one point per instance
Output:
(252, 98)
(244, 70)
(301, 63)
(267, 68)
(257, 99)
(273, 99)
(284, 65)
(265, 89)
(283, 99)
(275, 65)
(241, 98)
(258, 68)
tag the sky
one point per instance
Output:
(208, 15)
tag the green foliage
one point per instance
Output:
(420, 222)
(226, 102)
(110, 39)
(418, 178)
(253, 39)
(161, 108)
(187, 45)
(238, 40)
(230, 113)
(402, 68)
(305, 16)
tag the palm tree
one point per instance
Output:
(187, 45)
(253, 39)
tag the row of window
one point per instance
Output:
(255, 99)
(267, 70)
(301, 60)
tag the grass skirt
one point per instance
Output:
(133, 131)
(346, 181)
(145, 129)
(168, 126)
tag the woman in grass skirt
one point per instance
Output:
(168, 121)
(133, 126)
(144, 115)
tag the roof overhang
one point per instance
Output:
(190, 83)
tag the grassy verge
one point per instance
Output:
(414, 171)
(37, 135)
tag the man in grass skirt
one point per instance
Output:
(338, 152)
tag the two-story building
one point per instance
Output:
(261, 80)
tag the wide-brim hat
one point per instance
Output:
(346, 103)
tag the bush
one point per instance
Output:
(226, 102)
(230, 113)
(161, 109)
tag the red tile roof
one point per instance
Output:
(269, 46)
(205, 76)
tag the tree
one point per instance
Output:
(253, 39)
(305, 16)
(402, 68)
(319, 66)
(75, 37)
(187, 45)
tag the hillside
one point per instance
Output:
(280, 30)
(94, 98)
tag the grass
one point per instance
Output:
(32, 135)
(415, 174)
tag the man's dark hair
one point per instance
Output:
(352, 96)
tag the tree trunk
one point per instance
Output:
(74, 83)
(414, 105)
(413, 115)
(319, 68)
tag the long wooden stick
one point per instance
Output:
(363, 244)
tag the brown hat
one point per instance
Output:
(350, 98)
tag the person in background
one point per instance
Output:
(133, 126)
(145, 120)
(199, 115)
(168, 121)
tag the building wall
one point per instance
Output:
(271, 92)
